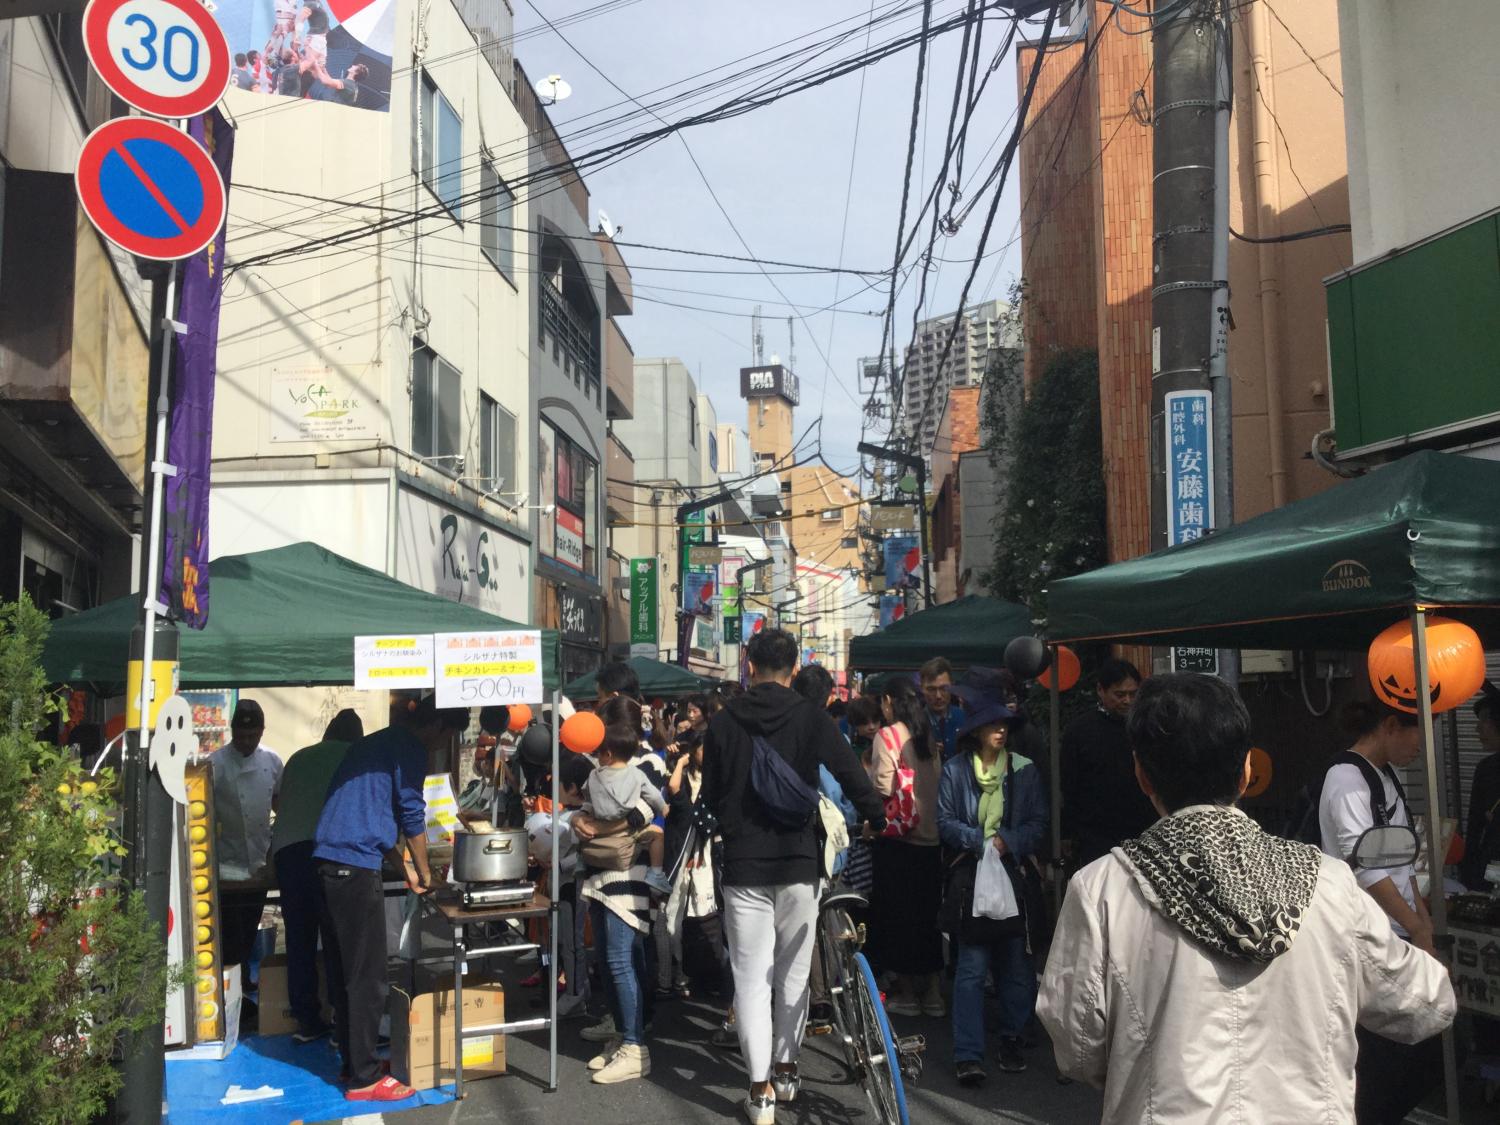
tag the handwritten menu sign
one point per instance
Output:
(1476, 969)
(392, 663)
(478, 669)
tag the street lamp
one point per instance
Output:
(917, 467)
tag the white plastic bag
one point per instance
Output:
(994, 893)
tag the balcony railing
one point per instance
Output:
(575, 346)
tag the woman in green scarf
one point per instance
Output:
(990, 798)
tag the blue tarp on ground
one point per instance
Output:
(307, 1076)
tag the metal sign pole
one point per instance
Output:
(554, 888)
(1054, 699)
(1435, 890)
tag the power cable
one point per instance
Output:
(1296, 236)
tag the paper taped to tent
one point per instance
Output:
(283, 617)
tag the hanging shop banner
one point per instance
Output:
(1190, 466)
(698, 592)
(393, 663)
(705, 555)
(732, 634)
(322, 50)
(903, 559)
(893, 517)
(729, 600)
(892, 609)
(184, 576)
(643, 613)
(478, 669)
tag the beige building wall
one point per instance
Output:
(1290, 174)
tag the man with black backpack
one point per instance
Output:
(760, 778)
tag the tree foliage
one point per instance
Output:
(80, 966)
(1053, 521)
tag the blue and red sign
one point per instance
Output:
(168, 58)
(150, 189)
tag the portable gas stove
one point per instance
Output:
(510, 893)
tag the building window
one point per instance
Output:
(849, 543)
(830, 514)
(497, 445)
(442, 143)
(713, 452)
(497, 220)
(436, 409)
(693, 422)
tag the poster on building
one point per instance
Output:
(335, 51)
(318, 403)
(478, 669)
(643, 611)
(1189, 464)
(442, 808)
(903, 559)
(892, 609)
(698, 592)
(729, 600)
(569, 539)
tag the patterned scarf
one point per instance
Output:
(1231, 887)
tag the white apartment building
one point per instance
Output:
(985, 327)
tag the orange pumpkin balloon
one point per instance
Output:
(1455, 665)
(1068, 669)
(1260, 772)
(582, 732)
(520, 717)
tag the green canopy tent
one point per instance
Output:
(284, 617)
(667, 681)
(1328, 572)
(972, 631)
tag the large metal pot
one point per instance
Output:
(489, 857)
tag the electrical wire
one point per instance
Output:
(1296, 236)
(1332, 85)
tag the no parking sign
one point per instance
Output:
(168, 58)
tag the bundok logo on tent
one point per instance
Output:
(1346, 574)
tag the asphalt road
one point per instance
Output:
(692, 1082)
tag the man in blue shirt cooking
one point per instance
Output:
(374, 802)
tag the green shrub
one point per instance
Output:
(80, 966)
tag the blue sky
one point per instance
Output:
(781, 172)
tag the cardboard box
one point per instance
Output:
(422, 1033)
(275, 1008)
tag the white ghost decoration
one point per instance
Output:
(172, 742)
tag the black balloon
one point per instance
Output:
(494, 720)
(536, 745)
(1026, 657)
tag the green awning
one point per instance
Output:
(1327, 572)
(657, 679)
(285, 617)
(972, 631)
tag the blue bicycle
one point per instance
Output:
(881, 1063)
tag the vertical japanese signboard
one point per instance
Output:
(643, 612)
(1190, 468)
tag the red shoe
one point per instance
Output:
(386, 1090)
(533, 981)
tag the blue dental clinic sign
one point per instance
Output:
(1190, 468)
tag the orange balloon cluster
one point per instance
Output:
(1455, 665)
(520, 717)
(582, 732)
(1068, 670)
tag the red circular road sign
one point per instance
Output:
(150, 189)
(164, 57)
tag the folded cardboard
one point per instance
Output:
(422, 1033)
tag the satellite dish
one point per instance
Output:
(552, 89)
(606, 226)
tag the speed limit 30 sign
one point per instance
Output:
(168, 58)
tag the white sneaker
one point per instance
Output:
(602, 1059)
(601, 1032)
(760, 1111)
(631, 1061)
(787, 1085)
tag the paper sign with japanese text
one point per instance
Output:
(501, 666)
(1190, 466)
(393, 663)
(442, 808)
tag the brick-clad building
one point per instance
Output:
(1086, 226)
(956, 511)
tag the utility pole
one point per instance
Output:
(1192, 472)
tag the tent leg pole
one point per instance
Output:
(1435, 890)
(1055, 781)
(554, 887)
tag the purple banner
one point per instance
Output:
(184, 575)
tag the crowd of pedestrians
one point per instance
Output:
(1200, 969)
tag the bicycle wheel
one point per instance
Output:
(877, 1046)
(834, 949)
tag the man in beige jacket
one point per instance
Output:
(1210, 972)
